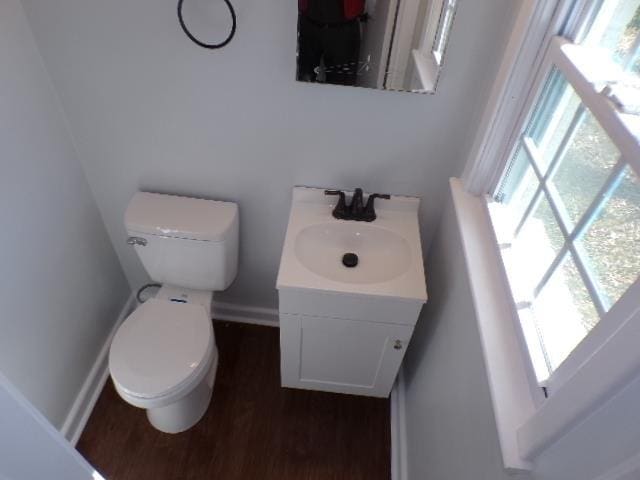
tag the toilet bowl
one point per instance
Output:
(163, 357)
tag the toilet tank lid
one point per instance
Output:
(180, 217)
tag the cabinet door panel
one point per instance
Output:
(339, 355)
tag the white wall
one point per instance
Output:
(26, 435)
(451, 432)
(151, 110)
(61, 286)
(606, 439)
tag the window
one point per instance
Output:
(567, 209)
(428, 56)
(444, 27)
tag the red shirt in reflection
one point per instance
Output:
(351, 8)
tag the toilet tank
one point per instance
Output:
(185, 242)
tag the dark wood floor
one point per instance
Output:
(254, 429)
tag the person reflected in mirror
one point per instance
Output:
(329, 40)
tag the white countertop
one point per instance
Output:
(310, 206)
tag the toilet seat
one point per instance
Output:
(161, 348)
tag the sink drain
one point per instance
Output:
(350, 260)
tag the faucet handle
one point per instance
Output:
(369, 212)
(373, 196)
(340, 211)
(340, 193)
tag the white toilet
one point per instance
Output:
(163, 358)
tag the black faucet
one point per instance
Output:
(357, 210)
(369, 214)
(357, 205)
(341, 211)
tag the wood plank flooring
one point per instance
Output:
(254, 429)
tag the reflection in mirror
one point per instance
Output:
(384, 44)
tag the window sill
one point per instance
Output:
(527, 425)
(512, 399)
(426, 71)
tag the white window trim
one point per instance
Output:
(441, 34)
(528, 424)
(430, 29)
(400, 55)
(513, 400)
(426, 70)
(513, 87)
(426, 62)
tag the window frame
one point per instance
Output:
(610, 359)
(426, 59)
(443, 29)
(564, 56)
(568, 59)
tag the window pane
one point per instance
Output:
(561, 278)
(534, 249)
(616, 28)
(563, 313)
(446, 19)
(584, 167)
(541, 231)
(517, 190)
(535, 345)
(553, 118)
(612, 242)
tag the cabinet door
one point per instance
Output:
(345, 356)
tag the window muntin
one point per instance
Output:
(611, 241)
(563, 312)
(568, 231)
(557, 111)
(584, 167)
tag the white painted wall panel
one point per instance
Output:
(151, 110)
(61, 285)
(451, 431)
(30, 448)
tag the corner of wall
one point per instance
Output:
(87, 397)
(398, 430)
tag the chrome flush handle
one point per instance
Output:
(137, 241)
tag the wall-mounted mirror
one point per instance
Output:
(383, 44)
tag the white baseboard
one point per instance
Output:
(233, 312)
(398, 430)
(92, 387)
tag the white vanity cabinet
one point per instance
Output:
(339, 355)
(346, 328)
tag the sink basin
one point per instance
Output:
(382, 254)
(388, 250)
